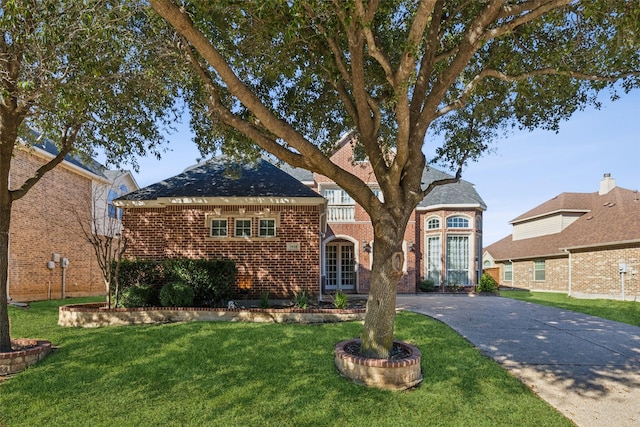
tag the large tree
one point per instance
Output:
(85, 74)
(289, 76)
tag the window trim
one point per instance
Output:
(433, 218)
(458, 217)
(508, 268)
(260, 228)
(537, 269)
(235, 227)
(226, 228)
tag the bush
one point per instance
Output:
(487, 284)
(139, 296)
(176, 294)
(427, 285)
(211, 280)
(340, 300)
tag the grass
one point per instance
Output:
(232, 374)
(620, 311)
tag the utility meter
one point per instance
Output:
(622, 267)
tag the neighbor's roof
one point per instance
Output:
(608, 219)
(221, 178)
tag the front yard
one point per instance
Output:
(229, 374)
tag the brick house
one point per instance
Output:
(319, 244)
(257, 215)
(45, 224)
(442, 242)
(584, 244)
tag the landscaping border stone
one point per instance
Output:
(94, 315)
(17, 361)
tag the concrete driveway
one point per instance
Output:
(586, 367)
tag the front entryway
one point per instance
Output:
(340, 266)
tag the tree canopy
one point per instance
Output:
(84, 74)
(288, 77)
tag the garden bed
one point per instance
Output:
(94, 315)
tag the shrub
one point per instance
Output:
(427, 285)
(487, 284)
(211, 280)
(340, 300)
(139, 296)
(176, 294)
(301, 299)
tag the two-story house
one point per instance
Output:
(584, 244)
(49, 257)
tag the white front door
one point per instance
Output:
(339, 266)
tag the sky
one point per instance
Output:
(525, 169)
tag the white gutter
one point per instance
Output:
(66, 164)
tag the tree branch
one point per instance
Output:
(67, 139)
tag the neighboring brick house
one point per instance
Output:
(45, 225)
(257, 215)
(442, 242)
(583, 244)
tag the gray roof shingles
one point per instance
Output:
(219, 178)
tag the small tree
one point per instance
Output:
(84, 74)
(103, 231)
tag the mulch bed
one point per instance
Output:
(397, 352)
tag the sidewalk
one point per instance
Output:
(586, 367)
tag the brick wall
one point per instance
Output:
(597, 274)
(42, 223)
(267, 263)
(594, 274)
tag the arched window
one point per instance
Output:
(457, 222)
(433, 224)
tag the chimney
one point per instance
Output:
(607, 184)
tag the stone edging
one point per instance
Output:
(92, 315)
(17, 361)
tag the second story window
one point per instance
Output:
(457, 222)
(341, 207)
(433, 224)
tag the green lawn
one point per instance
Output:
(620, 311)
(245, 374)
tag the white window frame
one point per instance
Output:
(433, 219)
(537, 271)
(273, 227)
(508, 272)
(235, 227)
(452, 221)
(219, 228)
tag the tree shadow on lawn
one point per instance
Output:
(230, 373)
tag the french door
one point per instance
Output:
(340, 266)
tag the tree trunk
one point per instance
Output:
(386, 272)
(5, 223)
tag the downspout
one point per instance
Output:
(570, 284)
